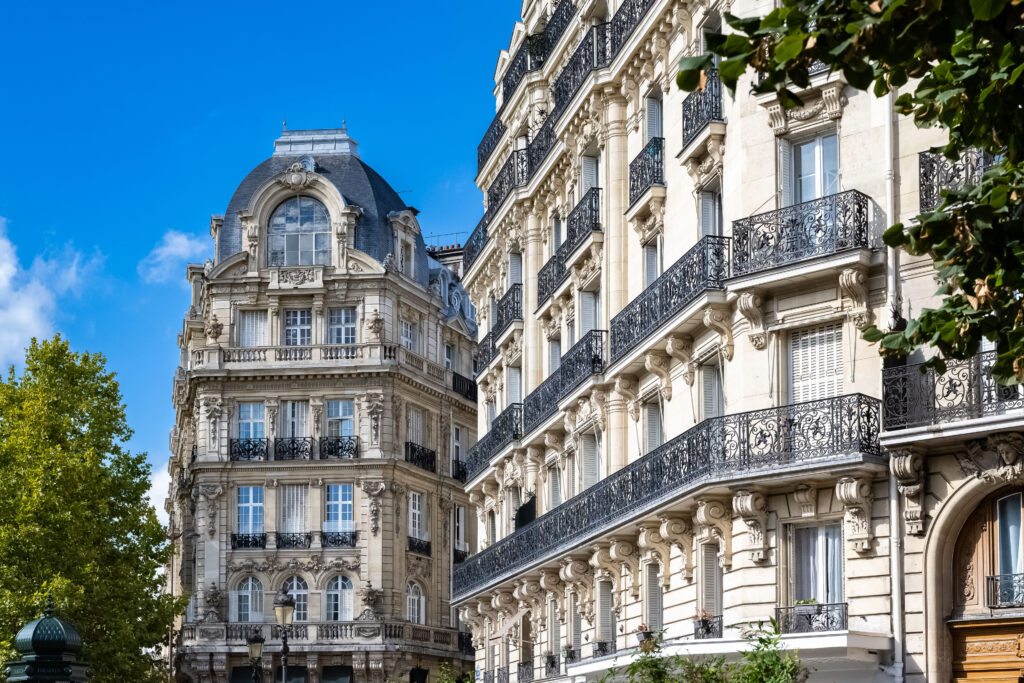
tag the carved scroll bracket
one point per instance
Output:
(856, 497)
(752, 507)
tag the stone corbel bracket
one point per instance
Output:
(678, 531)
(856, 497)
(752, 508)
(681, 348)
(576, 573)
(853, 282)
(627, 555)
(655, 547)
(749, 305)
(711, 524)
(718, 320)
(626, 388)
(907, 465)
(554, 589)
(658, 364)
(605, 566)
(807, 498)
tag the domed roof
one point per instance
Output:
(334, 156)
(48, 635)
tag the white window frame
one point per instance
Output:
(415, 604)
(251, 420)
(249, 512)
(418, 516)
(340, 603)
(410, 336)
(339, 508)
(341, 326)
(298, 327)
(341, 417)
(298, 589)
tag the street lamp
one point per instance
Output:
(284, 610)
(256, 655)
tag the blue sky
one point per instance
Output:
(127, 125)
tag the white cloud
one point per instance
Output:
(159, 486)
(29, 298)
(167, 260)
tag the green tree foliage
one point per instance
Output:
(75, 520)
(766, 660)
(959, 64)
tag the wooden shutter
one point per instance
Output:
(577, 623)
(711, 385)
(653, 118)
(712, 578)
(816, 362)
(556, 355)
(654, 599)
(590, 465)
(786, 185)
(515, 385)
(588, 310)
(570, 473)
(710, 213)
(554, 628)
(515, 268)
(555, 486)
(590, 171)
(652, 264)
(605, 630)
(654, 437)
(557, 230)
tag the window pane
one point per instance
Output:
(1009, 511)
(804, 167)
(805, 557)
(830, 164)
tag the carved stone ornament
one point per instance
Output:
(653, 224)
(296, 276)
(681, 348)
(718, 321)
(996, 459)
(375, 326)
(658, 364)
(853, 283)
(749, 306)
(373, 491)
(856, 497)
(206, 509)
(712, 524)
(296, 178)
(213, 329)
(679, 532)
(907, 465)
(751, 507)
(807, 498)
(373, 404)
(625, 389)
(213, 601)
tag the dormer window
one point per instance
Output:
(300, 234)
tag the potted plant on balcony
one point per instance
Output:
(643, 634)
(703, 622)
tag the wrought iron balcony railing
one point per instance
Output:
(704, 267)
(510, 308)
(701, 107)
(488, 676)
(808, 434)
(542, 402)
(339, 447)
(501, 675)
(464, 387)
(800, 232)
(248, 541)
(505, 429)
(647, 169)
(513, 173)
(466, 643)
(552, 274)
(339, 539)
(459, 470)
(1004, 590)
(419, 546)
(290, 540)
(571, 655)
(474, 245)
(589, 55)
(705, 629)
(623, 23)
(817, 618)
(248, 449)
(293, 448)
(551, 667)
(584, 359)
(603, 648)
(490, 141)
(937, 173)
(420, 456)
(524, 672)
(584, 219)
(459, 556)
(966, 391)
(484, 352)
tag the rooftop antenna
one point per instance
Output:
(284, 124)
(344, 125)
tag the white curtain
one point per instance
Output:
(252, 328)
(293, 509)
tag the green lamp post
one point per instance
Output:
(48, 649)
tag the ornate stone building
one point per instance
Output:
(323, 407)
(680, 426)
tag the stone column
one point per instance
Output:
(533, 358)
(617, 432)
(616, 201)
(316, 510)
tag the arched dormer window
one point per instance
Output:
(300, 233)
(339, 599)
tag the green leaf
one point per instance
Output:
(790, 46)
(987, 10)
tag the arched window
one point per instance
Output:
(339, 599)
(297, 588)
(415, 604)
(300, 233)
(248, 599)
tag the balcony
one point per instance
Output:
(505, 429)
(524, 672)
(464, 387)
(459, 556)
(285, 541)
(706, 629)
(419, 546)
(474, 245)
(551, 274)
(248, 450)
(484, 352)
(583, 360)
(966, 391)
(459, 471)
(821, 227)
(647, 169)
(248, 541)
(603, 648)
(293, 448)
(339, 539)
(260, 355)
(510, 309)
(1004, 590)
(501, 675)
(466, 644)
(589, 55)
(420, 456)
(812, 618)
(339, 447)
(624, 22)
(702, 107)
(488, 677)
(936, 173)
(551, 667)
(584, 220)
(542, 402)
(791, 438)
(515, 172)
(571, 655)
(702, 268)
(490, 141)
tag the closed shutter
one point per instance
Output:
(654, 597)
(588, 312)
(233, 606)
(557, 230)
(293, 509)
(785, 173)
(712, 578)
(570, 473)
(515, 269)
(710, 213)
(653, 118)
(654, 437)
(554, 628)
(605, 630)
(652, 264)
(252, 328)
(577, 623)
(555, 486)
(590, 167)
(492, 527)
(591, 470)
(515, 385)
(711, 385)
(816, 363)
(556, 355)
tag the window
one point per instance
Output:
(605, 615)
(248, 599)
(456, 444)
(415, 604)
(817, 556)
(590, 168)
(300, 233)
(492, 527)
(338, 513)
(711, 593)
(406, 264)
(417, 516)
(415, 426)
(577, 622)
(341, 326)
(295, 419)
(250, 510)
(515, 385)
(652, 415)
(555, 352)
(250, 420)
(556, 235)
(293, 509)
(460, 528)
(341, 418)
(1008, 511)
(654, 597)
(816, 363)
(515, 268)
(252, 328)
(591, 459)
(810, 169)
(653, 118)
(713, 400)
(298, 328)
(570, 476)
(339, 599)
(298, 589)
(652, 263)
(711, 212)
(554, 486)
(492, 412)
(554, 627)
(590, 307)
(449, 357)
(410, 338)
